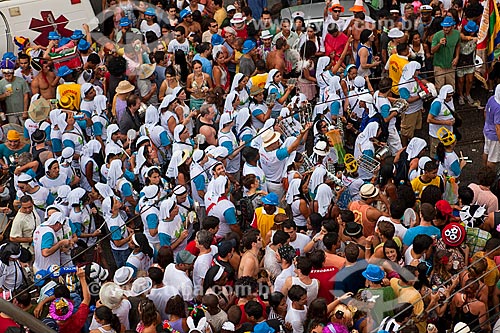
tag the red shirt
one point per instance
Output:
(191, 247)
(76, 321)
(335, 44)
(325, 276)
(5, 323)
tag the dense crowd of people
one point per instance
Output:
(199, 166)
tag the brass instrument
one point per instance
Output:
(288, 127)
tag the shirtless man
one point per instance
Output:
(190, 25)
(45, 82)
(205, 124)
(355, 27)
(250, 265)
(276, 58)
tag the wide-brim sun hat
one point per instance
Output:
(123, 275)
(395, 33)
(124, 87)
(111, 295)
(146, 71)
(321, 148)
(237, 19)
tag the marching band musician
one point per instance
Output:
(260, 110)
(383, 105)
(274, 157)
(441, 115)
(411, 119)
(364, 146)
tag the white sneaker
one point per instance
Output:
(470, 100)
(461, 100)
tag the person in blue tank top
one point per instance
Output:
(365, 60)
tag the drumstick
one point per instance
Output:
(461, 155)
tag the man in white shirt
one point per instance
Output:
(160, 294)
(297, 240)
(297, 310)
(180, 42)
(24, 224)
(203, 242)
(176, 274)
(271, 264)
(286, 255)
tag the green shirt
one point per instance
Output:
(15, 102)
(385, 303)
(444, 56)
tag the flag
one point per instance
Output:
(488, 46)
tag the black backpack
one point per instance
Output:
(402, 168)
(247, 211)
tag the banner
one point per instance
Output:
(488, 45)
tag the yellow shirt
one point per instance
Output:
(220, 15)
(396, 64)
(259, 80)
(264, 222)
(237, 57)
(408, 294)
(492, 277)
(418, 185)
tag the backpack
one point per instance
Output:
(247, 211)
(402, 168)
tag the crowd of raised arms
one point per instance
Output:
(207, 167)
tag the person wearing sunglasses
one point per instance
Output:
(331, 14)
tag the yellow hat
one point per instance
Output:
(351, 165)
(66, 102)
(446, 137)
(13, 135)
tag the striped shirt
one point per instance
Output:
(388, 324)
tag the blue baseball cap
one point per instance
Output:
(63, 71)
(83, 45)
(53, 35)
(124, 22)
(150, 12)
(471, 26)
(185, 12)
(248, 46)
(448, 22)
(77, 34)
(217, 40)
(270, 199)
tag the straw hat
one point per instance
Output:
(368, 191)
(124, 87)
(39, 110)
(146, 71)
(269, 137)
(255, 90)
